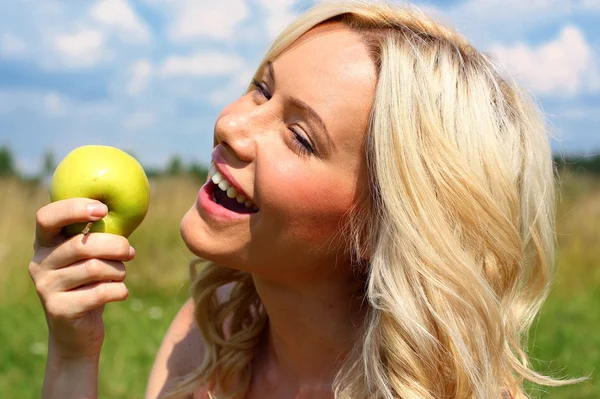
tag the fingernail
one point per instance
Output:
(131, 252)
(97, 209)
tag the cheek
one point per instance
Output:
(310, 205)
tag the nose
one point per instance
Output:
(233, 131)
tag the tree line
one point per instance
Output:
(175, 166)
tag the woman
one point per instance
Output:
(391, 237)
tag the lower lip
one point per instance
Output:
(215, 210)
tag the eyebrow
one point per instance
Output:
(327, 143)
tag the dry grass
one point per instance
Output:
(566, 337)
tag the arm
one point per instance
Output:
(75, 277)
(181, 350)
(178, 354)
(77, 376)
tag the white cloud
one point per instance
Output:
(82, 49)
(581, 112)
(593, 5)
(279, 14)
(12, 100)
(563, 67)
(12, 46)
(140, 76)
(139, 121)
(5, 103)
(233, 90)
(47, 103)
(118, 15)
(53, 35)
(54, 105)
(484, 21)
(203, 64)
(525, 5)
(194, 19)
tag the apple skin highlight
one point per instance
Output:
(110, 176)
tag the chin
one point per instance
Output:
(194, 234)
(208, 245)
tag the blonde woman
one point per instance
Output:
(391, 234)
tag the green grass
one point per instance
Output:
(565, 341)
(157, 280)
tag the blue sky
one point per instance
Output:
(150, 76)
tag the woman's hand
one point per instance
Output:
(75, 277)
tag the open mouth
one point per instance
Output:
(222, 192)
(220, 197)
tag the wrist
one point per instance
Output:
(61, 358)
(71, 363)
(71, 376)
(63, 353)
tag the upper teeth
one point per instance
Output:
(224, 185)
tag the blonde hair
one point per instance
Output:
(459, 226)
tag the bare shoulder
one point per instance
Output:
(181, 347)
(181, 350)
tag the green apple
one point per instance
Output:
(109, 175)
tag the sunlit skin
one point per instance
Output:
(290, 245)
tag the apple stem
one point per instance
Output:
(86, 230)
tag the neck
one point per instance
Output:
(312, 327)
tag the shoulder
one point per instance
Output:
(181, 350)
(181, 347)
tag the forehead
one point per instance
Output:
(330, 69)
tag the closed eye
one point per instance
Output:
(262, 88)
(303, 145)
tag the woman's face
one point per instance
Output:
(295, 147)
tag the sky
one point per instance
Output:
(151, 76)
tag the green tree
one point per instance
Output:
(175, 166)
(152, 171)
(199, 171)
(7, 162)
(579, 163)
(49, 163)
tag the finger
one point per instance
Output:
(86, 272)
(75, 303)
(94, 245)
(51, 218)
(95, 295)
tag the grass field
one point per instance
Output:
(565, 342)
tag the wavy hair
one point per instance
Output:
(459, 226)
